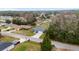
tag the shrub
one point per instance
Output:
(8, 21)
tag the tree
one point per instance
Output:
(17, 21)
(46, 44)
(8, 21)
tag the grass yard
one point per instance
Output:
(45, 25)
(27, 46)
(25, 32)
(7, 39)
(3, 27)
(42, 36)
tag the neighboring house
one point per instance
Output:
(7, 29)
(37, 29)
(6, 17)
(2, 21)
(22, 26)
(6, 46)
(2, 24)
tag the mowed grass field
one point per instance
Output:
(27, 46)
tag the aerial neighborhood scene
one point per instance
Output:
(39, 30)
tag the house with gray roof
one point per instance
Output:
(37, 29)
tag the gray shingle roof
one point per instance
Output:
(4, 45)
(38, 29)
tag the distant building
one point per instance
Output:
(6, 17)
(6, 46)
(22, 27)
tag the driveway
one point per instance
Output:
(37, 35)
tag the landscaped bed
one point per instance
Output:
(26, 32)
(27, 46)
(7, 39)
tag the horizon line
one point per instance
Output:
(36, 9)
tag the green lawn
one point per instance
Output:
(3, 27)
(45, 25)
(28, 32)
(42, 36)
(27, 46)
(7, 39)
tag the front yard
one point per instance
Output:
(3, 27)
(7, 39)
(27, 46)
(42, 36)
(25, 32)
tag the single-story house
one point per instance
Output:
(6, 46)
(18, 27)
(6, 17)
(37, 29)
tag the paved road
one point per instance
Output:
(66, 46)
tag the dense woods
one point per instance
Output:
(64, 28)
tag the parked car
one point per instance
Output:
(15, 42)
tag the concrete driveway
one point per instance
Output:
(37, 35)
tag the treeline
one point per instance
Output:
(19, 21)
(24, 22)
(19, 13)
(64, 29)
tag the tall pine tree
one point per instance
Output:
(46, 44)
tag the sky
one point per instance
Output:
(35, 9)
(38, 4)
